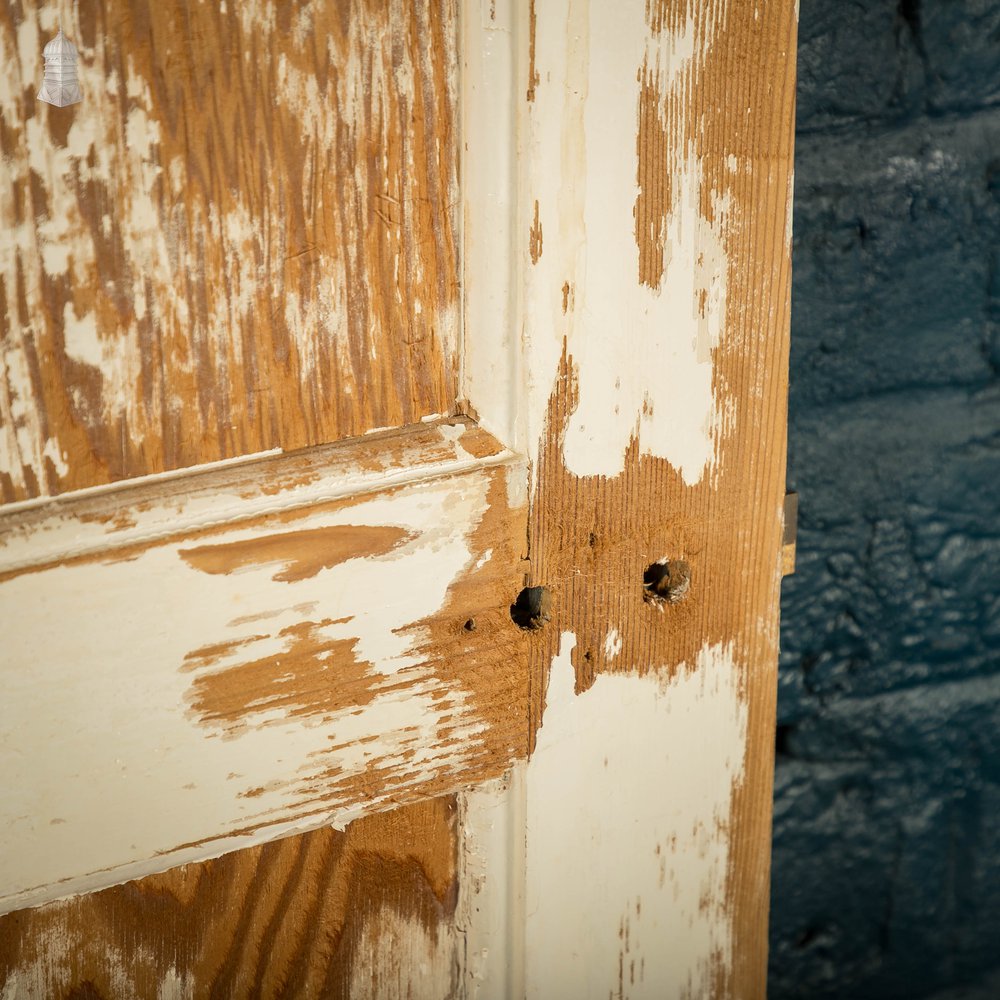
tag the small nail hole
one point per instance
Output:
(592, 540)
(666, 581)
(531, 609)
(470, 625)
(588, 656)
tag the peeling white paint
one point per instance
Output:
(612, 644)
(582, 136)
(56, 457)
(99, 147)
(120, 148)
(490, 911)
(185, 501)
(81, 339)
(628, 803)
(257, 17)
(48, 971)
(176, 986)
(88, 746)
(491, 352)
(396, 956)
(629, 793)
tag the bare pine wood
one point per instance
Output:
(367, 913)
(243, 238)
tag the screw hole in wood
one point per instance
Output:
(531, 609)
(666, 581)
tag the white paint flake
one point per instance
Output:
(81, 340)
(612, 644)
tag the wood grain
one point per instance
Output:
(39, 534)
(256, 654)
(243, 238)
(714, 114)
(366, 913)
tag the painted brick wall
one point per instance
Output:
(886, 876)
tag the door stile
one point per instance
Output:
(652, 254)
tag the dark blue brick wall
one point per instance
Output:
(886, 866)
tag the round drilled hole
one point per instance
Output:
(531, 609)
(470, 625)
(666, 581)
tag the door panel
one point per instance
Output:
(242, 239)
(368, 912)
(220, 660)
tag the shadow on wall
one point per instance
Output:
(886, 870)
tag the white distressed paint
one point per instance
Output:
(491, 347)
(642, 356)
(612, 644)
(108, 771)
(81, 340)
(397, 956)
(257, 18)
(491, 883)
(47, 970)
(628, 803)
(175, 986)
(628, 797)
(100, 146)
(122, 152)
(233, 490)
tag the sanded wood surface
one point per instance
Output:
(365, 914)
(243, 238)
(188, 671)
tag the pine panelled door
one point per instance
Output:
(392, 449)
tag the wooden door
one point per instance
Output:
(455, 302)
